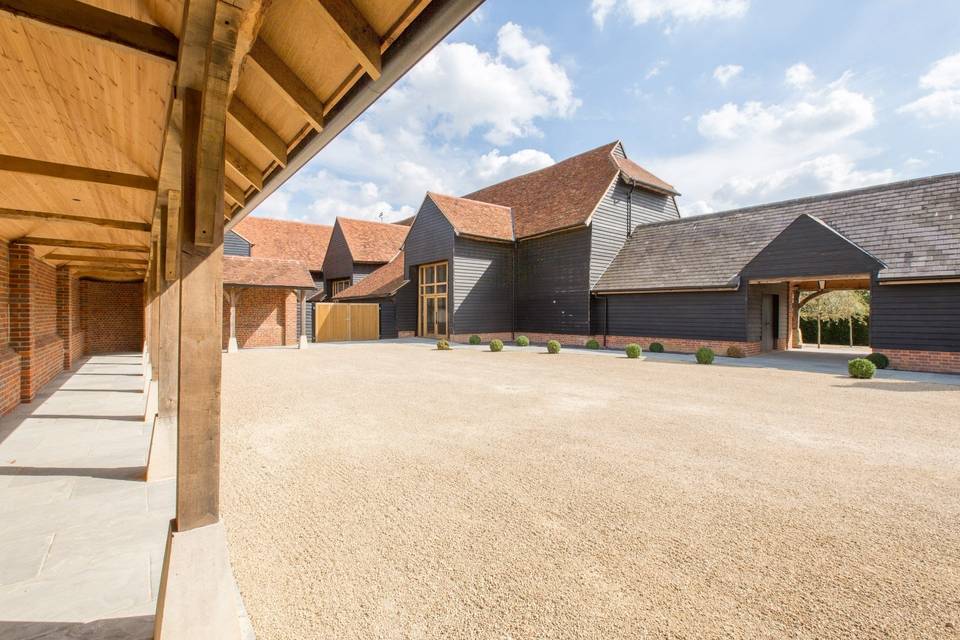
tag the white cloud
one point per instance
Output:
(643, 11)
(758, 152)
(943, 101)
(655, 69)
(727, 72)
(799, 75)
(446, 127)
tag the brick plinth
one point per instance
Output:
(683, 345)
(406, 334)
(926, 361)
(503, 336)
(566, 339)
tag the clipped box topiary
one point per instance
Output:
(879, 360)
(523, 341)
(592, 344)
(861, 368)
(496, 345)
(443, 345)
(553, 346)
(655, 347)
(705, 355)
(475, 339)
(633, 351)
(733, 351)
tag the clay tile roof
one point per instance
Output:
(632, 172)
(474, 218)
(381, 283)
(266, 272)
(286, 239)
(565, 194)
(372, 242)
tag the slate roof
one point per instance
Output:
(912, 226)
(286, 239)
(372, 242)
(565, 194)
(382, 283)
(266, 272)
(474, 218)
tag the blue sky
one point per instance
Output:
(734, 102)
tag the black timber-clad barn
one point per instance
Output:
(735, 276)
(357, 248)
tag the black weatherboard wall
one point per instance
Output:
(924, 317)
(553, 283)
(711, 315)
(338, 263)
(235, 245)
(430, 239)
(483, 287)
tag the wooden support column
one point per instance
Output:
(232, 295)
(302, 303)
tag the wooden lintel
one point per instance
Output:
(83, 244)
(259, 130)
(244, 167)
(98, 23)
(297, 93)
(44, 216)
(77, 257)
(234, 192)
(363, 42)
(73, 172)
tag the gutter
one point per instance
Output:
(433, 25)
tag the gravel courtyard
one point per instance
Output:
(394, 491)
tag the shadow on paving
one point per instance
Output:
(133, 628)
(900, 387)
(107, 473)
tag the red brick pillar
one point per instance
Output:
(68, 316)
(9, 359)
(21, 327)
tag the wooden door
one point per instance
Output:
(432, 308)
(768, 339)
(340, 322)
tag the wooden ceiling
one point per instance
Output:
(88, 146)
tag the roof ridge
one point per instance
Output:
(272, 219)
(486, 204)
(265, 258)
(805, 199)
(392, 224)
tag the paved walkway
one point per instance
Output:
(82, 535)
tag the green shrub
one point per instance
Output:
(705, 355)
(553, 347)
(633, 351)
(496, 345)
(443, 345)
(523, 341)
(475, 339)
(655, 347)
(861, 368)
(733, 351)
(592, 344)
(879, 360)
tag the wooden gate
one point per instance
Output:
(336, 321)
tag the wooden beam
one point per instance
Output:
(364, 43)
(22, 214)
(290, 85)
(244, 167)
(76, 257)
(234, 192)
(73, 172)
(171, 239)
(98, 23)
(83, 244)
(259, 130)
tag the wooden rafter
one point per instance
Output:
(98, 23)
(73, 172)
(234, 192)
(259, 130)
(355, 31)
(77, 257)
(244, 167)
(288, 83)
(44, 216)
(83, 244)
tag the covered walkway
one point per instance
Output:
(81, 534)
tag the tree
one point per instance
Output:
(836, 305)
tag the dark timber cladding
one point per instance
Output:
(553, 283)
(482, 286)
(235, 245)
(338, 263)
(708, 315)
(924, 317)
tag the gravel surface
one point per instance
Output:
(394, 491)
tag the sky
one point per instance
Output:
(734, 102)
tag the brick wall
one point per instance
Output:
(265, 318)
(675, 345)
(33, 320)
(9, 359)
(928, 361)
(111, 316)
(68, 317)
(504, 336)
